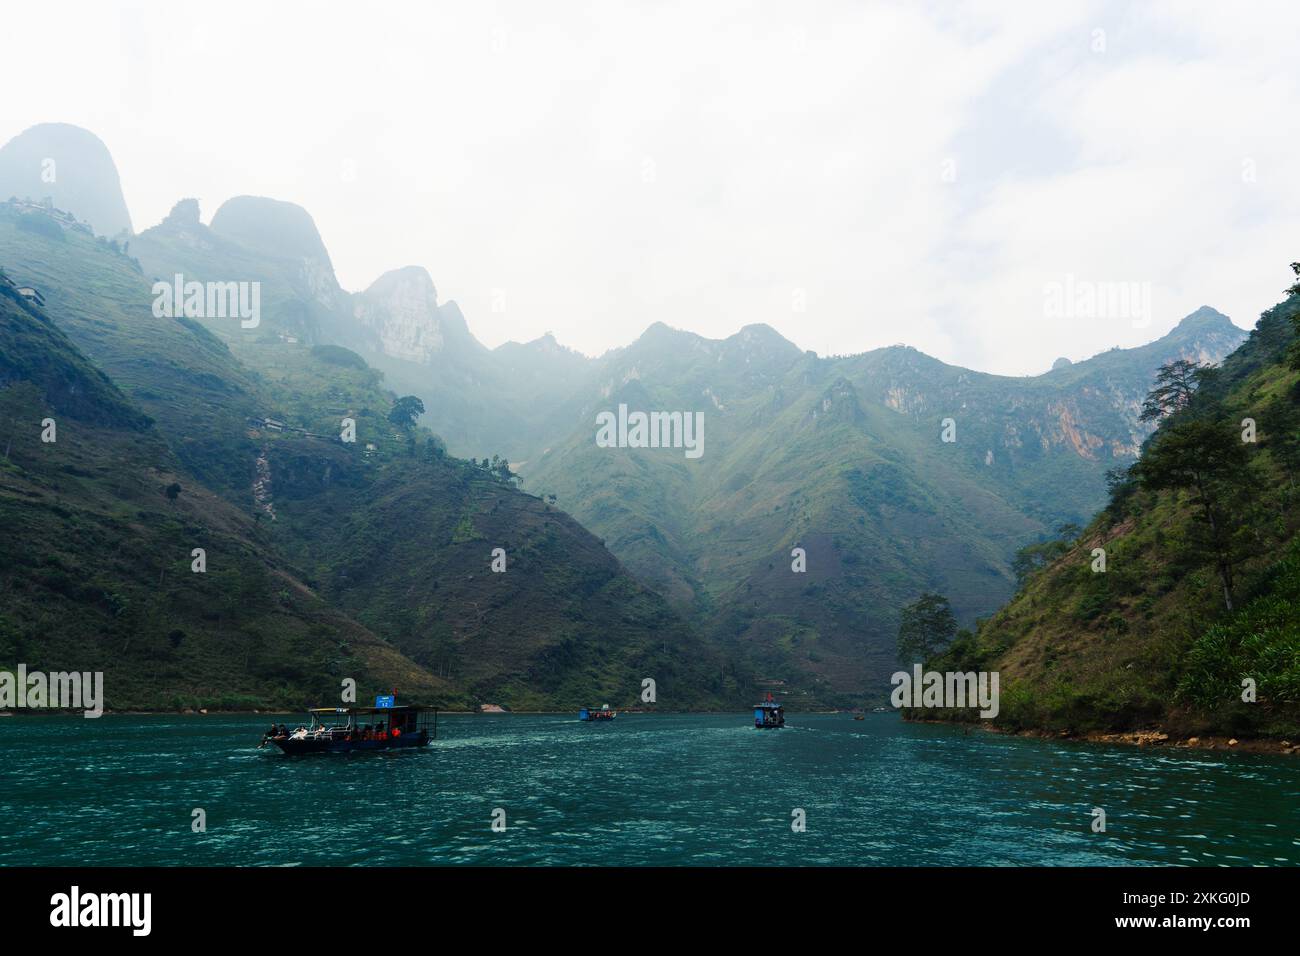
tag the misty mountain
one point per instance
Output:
(72, 168)
(878, 475)
(387, 539)
(842, 457)
(845, 459)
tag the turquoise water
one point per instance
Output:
(644, 789)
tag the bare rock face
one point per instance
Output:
(400, 311)
(72, 168)
(184, 215)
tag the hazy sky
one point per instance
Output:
(852, 174)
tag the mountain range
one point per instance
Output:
(830, 491)
(325, 560)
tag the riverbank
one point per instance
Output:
(1140, 738)
(1158, 738)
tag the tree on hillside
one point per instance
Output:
(405, 411)
(1293, 353)
(434, 449)
(1120, 485)
(500, 467)
(1038, 555)
(1068, 532)
(1281, 436)
(1176, 383)
(926, 627)
(1198, 451)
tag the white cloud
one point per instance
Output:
(610, 165)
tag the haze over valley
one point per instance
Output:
(884, 475)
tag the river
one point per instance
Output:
(644, 789)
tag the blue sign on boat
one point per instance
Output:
(385, 700)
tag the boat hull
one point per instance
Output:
(314, 745)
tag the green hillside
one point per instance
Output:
(1203, 521)
(96, 557)
(172, 369)
(841, 458)
(400, 534)
(844, 458)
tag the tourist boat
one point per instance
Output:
(769, 715)
(591, 713)
(386, 726)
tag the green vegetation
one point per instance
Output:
(1034, 557)
(95, 561)
(33, 350)
(842, 457)
(338, 355)
(839, 458)
(926, 628)
(405, 411)
(1260, 643)
(325, 557)
(1194, 626)
(1195, 452)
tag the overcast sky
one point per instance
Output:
(853, 174)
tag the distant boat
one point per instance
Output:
(769, 715)
(590, 713)
(344, 729)
(859, 717)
